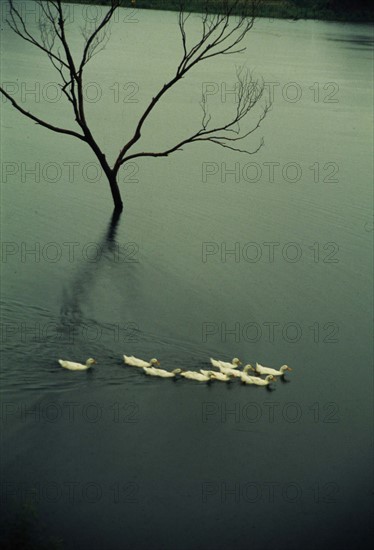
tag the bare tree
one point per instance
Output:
(222, 33)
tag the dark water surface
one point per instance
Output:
(112, 459)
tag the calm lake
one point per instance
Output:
(217, 254)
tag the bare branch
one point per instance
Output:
(39, 120)
(249, 92)
(94, 40)
(221, 34)
(17, 24)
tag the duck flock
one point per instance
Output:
(225, 371)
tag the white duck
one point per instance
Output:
(162, 373)
(233, 365)
(216, 375)
(191, 375)
(77, 366)
(234, 372)
(267, 370)
(135, 362)
(258, 381)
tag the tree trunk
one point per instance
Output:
(111, 173)
(118, 204)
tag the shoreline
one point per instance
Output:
(269, 9)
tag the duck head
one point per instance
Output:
(285, 368)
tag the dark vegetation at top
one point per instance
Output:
(332, 10)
